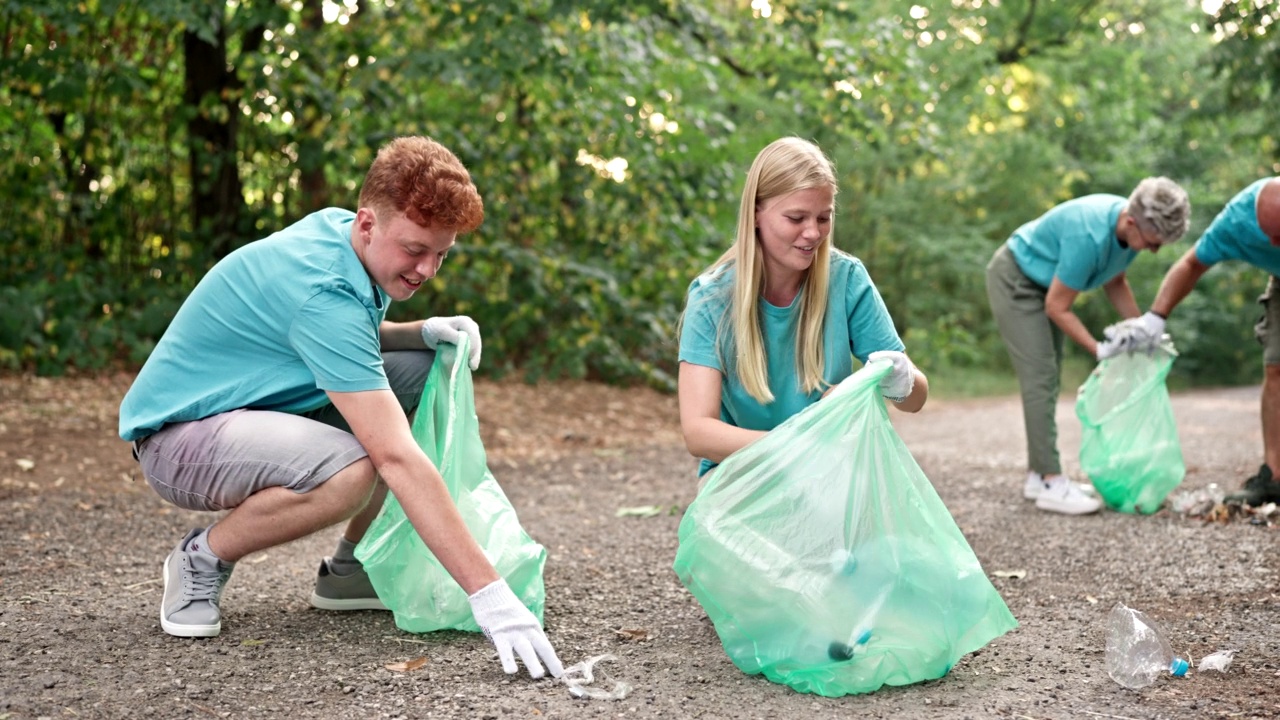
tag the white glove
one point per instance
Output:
(1142, 333)
(1110, 347)
(448, 330)
(1150, 325)
(510, 626)
(901, 379)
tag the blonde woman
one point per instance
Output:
(775, 323)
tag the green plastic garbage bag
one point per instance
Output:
(1129, 441)
(410, 581)
(827, 562)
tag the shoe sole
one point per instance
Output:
(1087, 489)
(1050, 506)
(325, 603)
(1247, 499)
(180, 630)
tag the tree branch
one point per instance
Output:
(1024, 47)
(697, 34)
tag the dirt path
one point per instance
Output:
(82, 539)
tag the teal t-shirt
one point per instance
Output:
(857, 324)
(272, 326)
(1075, 242)
(1234, 234)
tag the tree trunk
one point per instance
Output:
(316, 193)
(217, 203)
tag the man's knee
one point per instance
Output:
(352, 486)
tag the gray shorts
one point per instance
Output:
(216, 463)
(1268, 328)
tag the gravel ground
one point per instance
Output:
(82, 539)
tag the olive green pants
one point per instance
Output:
(1034, 343)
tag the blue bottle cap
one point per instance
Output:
(1178, 667)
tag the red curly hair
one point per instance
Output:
(421, 178)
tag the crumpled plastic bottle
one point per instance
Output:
(580, 679)
(1197, 502)
(1137, 652)
(1219, 661)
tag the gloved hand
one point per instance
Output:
(1118, 338)
(901, 379)
(438, 330)
(510, 626)
(1142, 333)
(1149, 325)
(1110, 347)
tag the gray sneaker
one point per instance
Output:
(344, 592)
(193, 583)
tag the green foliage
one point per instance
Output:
(1249, 54)
(609, 141)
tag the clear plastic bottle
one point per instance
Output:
(1137, 653)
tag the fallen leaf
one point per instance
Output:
(25, 464)
(1015, 574)
(632, 634)
(407, 665)
(250, 642)
(638, 511)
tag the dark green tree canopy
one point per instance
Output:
(147, 139)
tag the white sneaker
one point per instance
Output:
(1064, 496)
(1035, 484)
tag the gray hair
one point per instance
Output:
(1160, 205)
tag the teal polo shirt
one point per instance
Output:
(1234, 234)
(272, 326)
(857, 324)
(1075, 242)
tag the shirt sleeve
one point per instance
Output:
(870, 325)
(699, 332)
(1077, 257)
(336, 337)
(1066, 228)
(1218, 243)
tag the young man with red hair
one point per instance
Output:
(280, 393)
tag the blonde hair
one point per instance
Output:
(785, 166)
